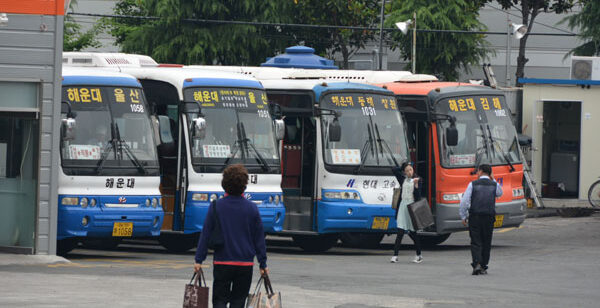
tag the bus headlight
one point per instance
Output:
(85, 220)
(70, 201)
(518, 192)
(270, 199)
(160, 201)
(147, 202)
(93, 202)
(200, 197)
(154, 202)
(213, 197)
(451, 197)
(276, 199)
(83, 202)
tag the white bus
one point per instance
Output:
(109, 180)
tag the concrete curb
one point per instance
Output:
(16, 259)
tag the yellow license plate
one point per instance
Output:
(499, 221)
(380, 223)
(122, 229)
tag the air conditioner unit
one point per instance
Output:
(585, 68)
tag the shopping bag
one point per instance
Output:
(196, 295)
(268, 299)
(420, 214)
(396, 197)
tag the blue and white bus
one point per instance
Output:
(206, 120)
(341, 141)
(109, 181)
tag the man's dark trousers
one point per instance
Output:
(231, 285)
(481, 228)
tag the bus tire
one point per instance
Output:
(63, 247)
(432, 240)
(315, 243)
(102, 244)
(178, 243)
(361, 240)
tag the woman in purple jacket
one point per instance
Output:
(243, 238)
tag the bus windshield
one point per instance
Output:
(239, 128)
(373, 133)
(486, 133)
(113, 132)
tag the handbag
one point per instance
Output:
(216, 240)
(196, 295)
(396, 197)
(269, 299)
(420, 214)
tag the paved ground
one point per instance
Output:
(548, 262)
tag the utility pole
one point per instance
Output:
(381, 35)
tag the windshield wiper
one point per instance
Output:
(132, 157)
(502, 152)
(258, 157)
(477, 151)
(107, 148)
(365, 150)
(387, 146)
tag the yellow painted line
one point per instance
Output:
(509, 229)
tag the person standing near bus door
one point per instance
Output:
(244, 238)
(410, 193)
(478, 212)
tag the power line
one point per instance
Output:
(291, 25)
(535, 22)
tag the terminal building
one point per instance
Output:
(31, 37)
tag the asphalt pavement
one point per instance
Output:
(547, 262)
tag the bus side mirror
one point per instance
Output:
(335, 131)
(68, 129)
(164, 129)
(451, 136)
(279, 129)
(275, 110)
(199, 128)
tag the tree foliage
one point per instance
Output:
(441, 54)
(171, 39)
(530, 9)
(588, 23)
(74, 39)
(362, 13)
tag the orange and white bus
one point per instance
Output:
(486, 134)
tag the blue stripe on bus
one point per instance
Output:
(100, 81)
(222, 82)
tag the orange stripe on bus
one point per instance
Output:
(34, 7)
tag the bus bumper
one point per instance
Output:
(448, 219)
(272, 216)
(340, 216)
(98, 222)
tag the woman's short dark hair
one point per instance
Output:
(235, 179)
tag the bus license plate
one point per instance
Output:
(380, 223)
(499, 221)
(122, 229)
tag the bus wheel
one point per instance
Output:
(362, 240)
(63, 247)
(315, 243)
(102, 244)
(432, 240)
(178, 243)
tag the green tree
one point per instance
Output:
(587, 21)
(362, 13)
(530, 9)
(74, 39)
(441, 54)
(171, 39)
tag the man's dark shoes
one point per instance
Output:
(477, 270)
(483, 270)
